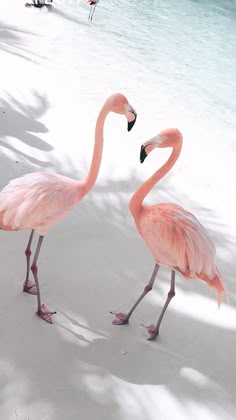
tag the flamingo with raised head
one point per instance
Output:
(93, 4)
(38, 200)
(174, 236)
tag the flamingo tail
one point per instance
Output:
(216, 283)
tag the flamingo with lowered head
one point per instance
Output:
(38, 200)
(93, 5)
(174, 236)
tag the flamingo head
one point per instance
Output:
(119, 104)
(170, 137)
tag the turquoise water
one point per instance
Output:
(187, 45)
(182, 53)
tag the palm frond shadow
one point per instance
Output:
(21, 123)
(12, 42)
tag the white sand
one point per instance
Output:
(55, 74)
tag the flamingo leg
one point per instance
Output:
(29, 286)
(42, 311)
(92, 13)
(152, 329)
(124, 318)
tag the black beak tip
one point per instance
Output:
(143, 154)
(131, 124)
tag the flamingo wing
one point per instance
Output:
(177, 239)
(36, 200)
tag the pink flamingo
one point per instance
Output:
(93, 4)
(174, 236)
(37, 201)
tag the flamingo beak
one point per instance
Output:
(143, 154)
(150, 145)
(133, 120)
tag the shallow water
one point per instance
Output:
(188, 46)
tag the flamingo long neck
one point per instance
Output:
(90, 180)
(136, 202)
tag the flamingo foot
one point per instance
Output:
(152, 330)
(45, 314)
(121, 318)
(30, 287)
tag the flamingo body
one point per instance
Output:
(92, 2)
(37, 201)
(178, 240)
